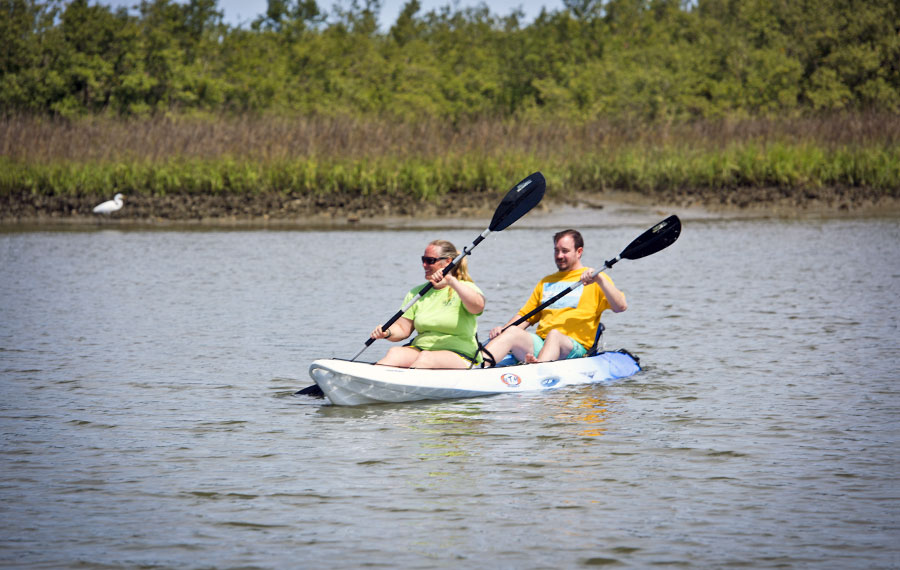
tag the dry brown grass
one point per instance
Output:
(277, 138)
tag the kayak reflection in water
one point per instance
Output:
(565, 328)
(444, 319)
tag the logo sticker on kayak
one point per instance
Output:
(511, 380)
(549, 382)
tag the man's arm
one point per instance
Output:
(614, 296)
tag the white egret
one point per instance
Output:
(110, 206)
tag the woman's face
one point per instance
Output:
(433, 253)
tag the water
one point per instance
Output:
(147, 415)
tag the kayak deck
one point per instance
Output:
(349, 383)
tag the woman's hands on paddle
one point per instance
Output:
(379, 334)
(439, 280)
(399, 330)
(471, 300)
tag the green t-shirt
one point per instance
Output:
(442, 322)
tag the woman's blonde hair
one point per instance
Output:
(447, 249)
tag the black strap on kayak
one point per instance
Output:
(486, 355)
(633, 357)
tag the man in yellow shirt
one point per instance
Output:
(566, 328)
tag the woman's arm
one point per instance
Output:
(471, 299)
(400, 330)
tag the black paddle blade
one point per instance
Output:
(313, 391)
(518, 201)
(657, 238)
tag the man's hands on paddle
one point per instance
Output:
(588, 277)
(495, 332)
(613, 295)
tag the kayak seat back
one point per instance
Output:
(509, 360)
(593, 349)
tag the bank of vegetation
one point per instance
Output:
(299, 109)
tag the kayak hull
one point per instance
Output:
(348, 383)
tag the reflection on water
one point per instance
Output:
(585, 409)
(148, 415)
(448, 433)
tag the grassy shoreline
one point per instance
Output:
(270, 167)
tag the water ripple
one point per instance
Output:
(148, 414)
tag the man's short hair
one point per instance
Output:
(576, 237)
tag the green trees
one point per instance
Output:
(30, 42)
(647, 60)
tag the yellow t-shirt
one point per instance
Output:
(576, 315)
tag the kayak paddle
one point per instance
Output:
(520, 199)
(657, 238)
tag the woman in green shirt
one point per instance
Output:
(444, 319)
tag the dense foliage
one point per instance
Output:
(665, 97)
(434, 159)
(647, 60)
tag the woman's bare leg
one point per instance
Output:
(402, 356)
(439, 359)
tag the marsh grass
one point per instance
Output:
(315, 156)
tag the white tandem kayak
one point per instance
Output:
(349, 383)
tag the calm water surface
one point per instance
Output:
(147, 415)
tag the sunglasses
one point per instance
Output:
(432, 260)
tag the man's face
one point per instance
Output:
(565, 254)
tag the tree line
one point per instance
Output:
(645, 60)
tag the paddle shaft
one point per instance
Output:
(660, 236)
(559, 295)
(517, 202)
(657, 238)
(428, 287)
